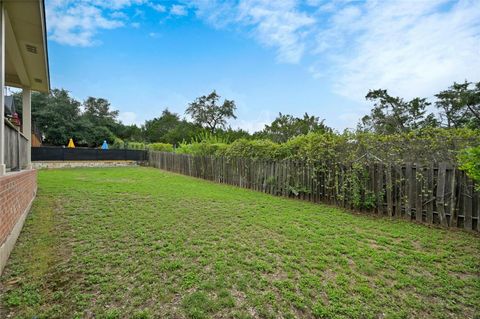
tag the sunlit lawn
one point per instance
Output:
(143, 243)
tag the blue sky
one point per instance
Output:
(289, 56)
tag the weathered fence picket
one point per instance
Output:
(432, 194)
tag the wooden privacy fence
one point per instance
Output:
(434, 194)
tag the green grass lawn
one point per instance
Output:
(143, 243)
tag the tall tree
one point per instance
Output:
(206, 111)
(99, 120)
(129, 132)
(395, 115)
(459, 105)
(287, 126)
(99, 113)
(57, 116)
(184, 131)
(156, 129)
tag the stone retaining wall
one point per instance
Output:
(72, 164)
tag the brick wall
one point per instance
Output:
(16, 192)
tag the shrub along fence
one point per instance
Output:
(435, 194)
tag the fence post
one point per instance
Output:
(453, 199)
(420, 180)
(390, 191)
(18, 168)
(442, 169)
(467, 203)
(430, 195)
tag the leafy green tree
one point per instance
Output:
(155, 130)
(59, 118)
(129, 132)
(470, 162)
(184, 131)
(39, 102)
(94, 135)
(285, 126)
(99, 122)
(473, 104)
(206, 111)
(56, 115)
(98, 112)
(392, 115)
(459, 105)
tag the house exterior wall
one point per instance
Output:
(17, 191)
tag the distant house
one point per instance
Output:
(24, 65)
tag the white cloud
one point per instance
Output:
(277, 24)
(349, 117)
(129, 118)
(251, 126)
(77, 22)
(413, 48)
(118, 15)
(178, 10)
(158, 7)
(114, 4)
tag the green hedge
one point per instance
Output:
(263, 149)
(161, 147)
(202, 148)
(135, 146)
(118, 143)
(424, 146)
